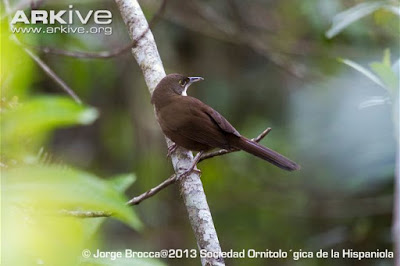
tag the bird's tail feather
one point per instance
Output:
(266, 154)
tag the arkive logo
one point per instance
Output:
(63, 17)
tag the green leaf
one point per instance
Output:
(51, 188)
(45, 113)
(349, 16)
(363, 71)
(16, 68)
(38, 238)
(29, 121)
(120, 183)
(385, 72)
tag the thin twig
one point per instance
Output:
(169, 181)
(53, 75)
(153, 191)
(172, 179)
(103, 54)
(86, 214)
(134, 201)
(262, 135)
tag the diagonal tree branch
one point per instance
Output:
(172, 179)
(146, 55)
(138, 199)
(166, 183)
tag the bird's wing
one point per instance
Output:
(211, 127)
(198, 122)
(222, 123)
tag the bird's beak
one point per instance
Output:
(191, 81)
(195, 79)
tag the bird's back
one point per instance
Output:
(192, 124)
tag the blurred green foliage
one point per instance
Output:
(25, 125)
(345, 18)
(39, 194)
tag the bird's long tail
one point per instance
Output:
(265, 153)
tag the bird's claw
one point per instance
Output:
(197, 171)
(186, 173)
(171, 149)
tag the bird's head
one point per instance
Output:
(178, 83)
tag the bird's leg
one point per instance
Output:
(192, 166)
(171, 149)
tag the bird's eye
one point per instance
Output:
(182, 82)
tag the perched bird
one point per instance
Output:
(192, 124)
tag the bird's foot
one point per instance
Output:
(171, 149)
(192, 168)
(186, 173)
(197, 171)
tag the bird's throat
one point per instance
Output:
(184, 92)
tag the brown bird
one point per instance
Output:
(192, 124)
